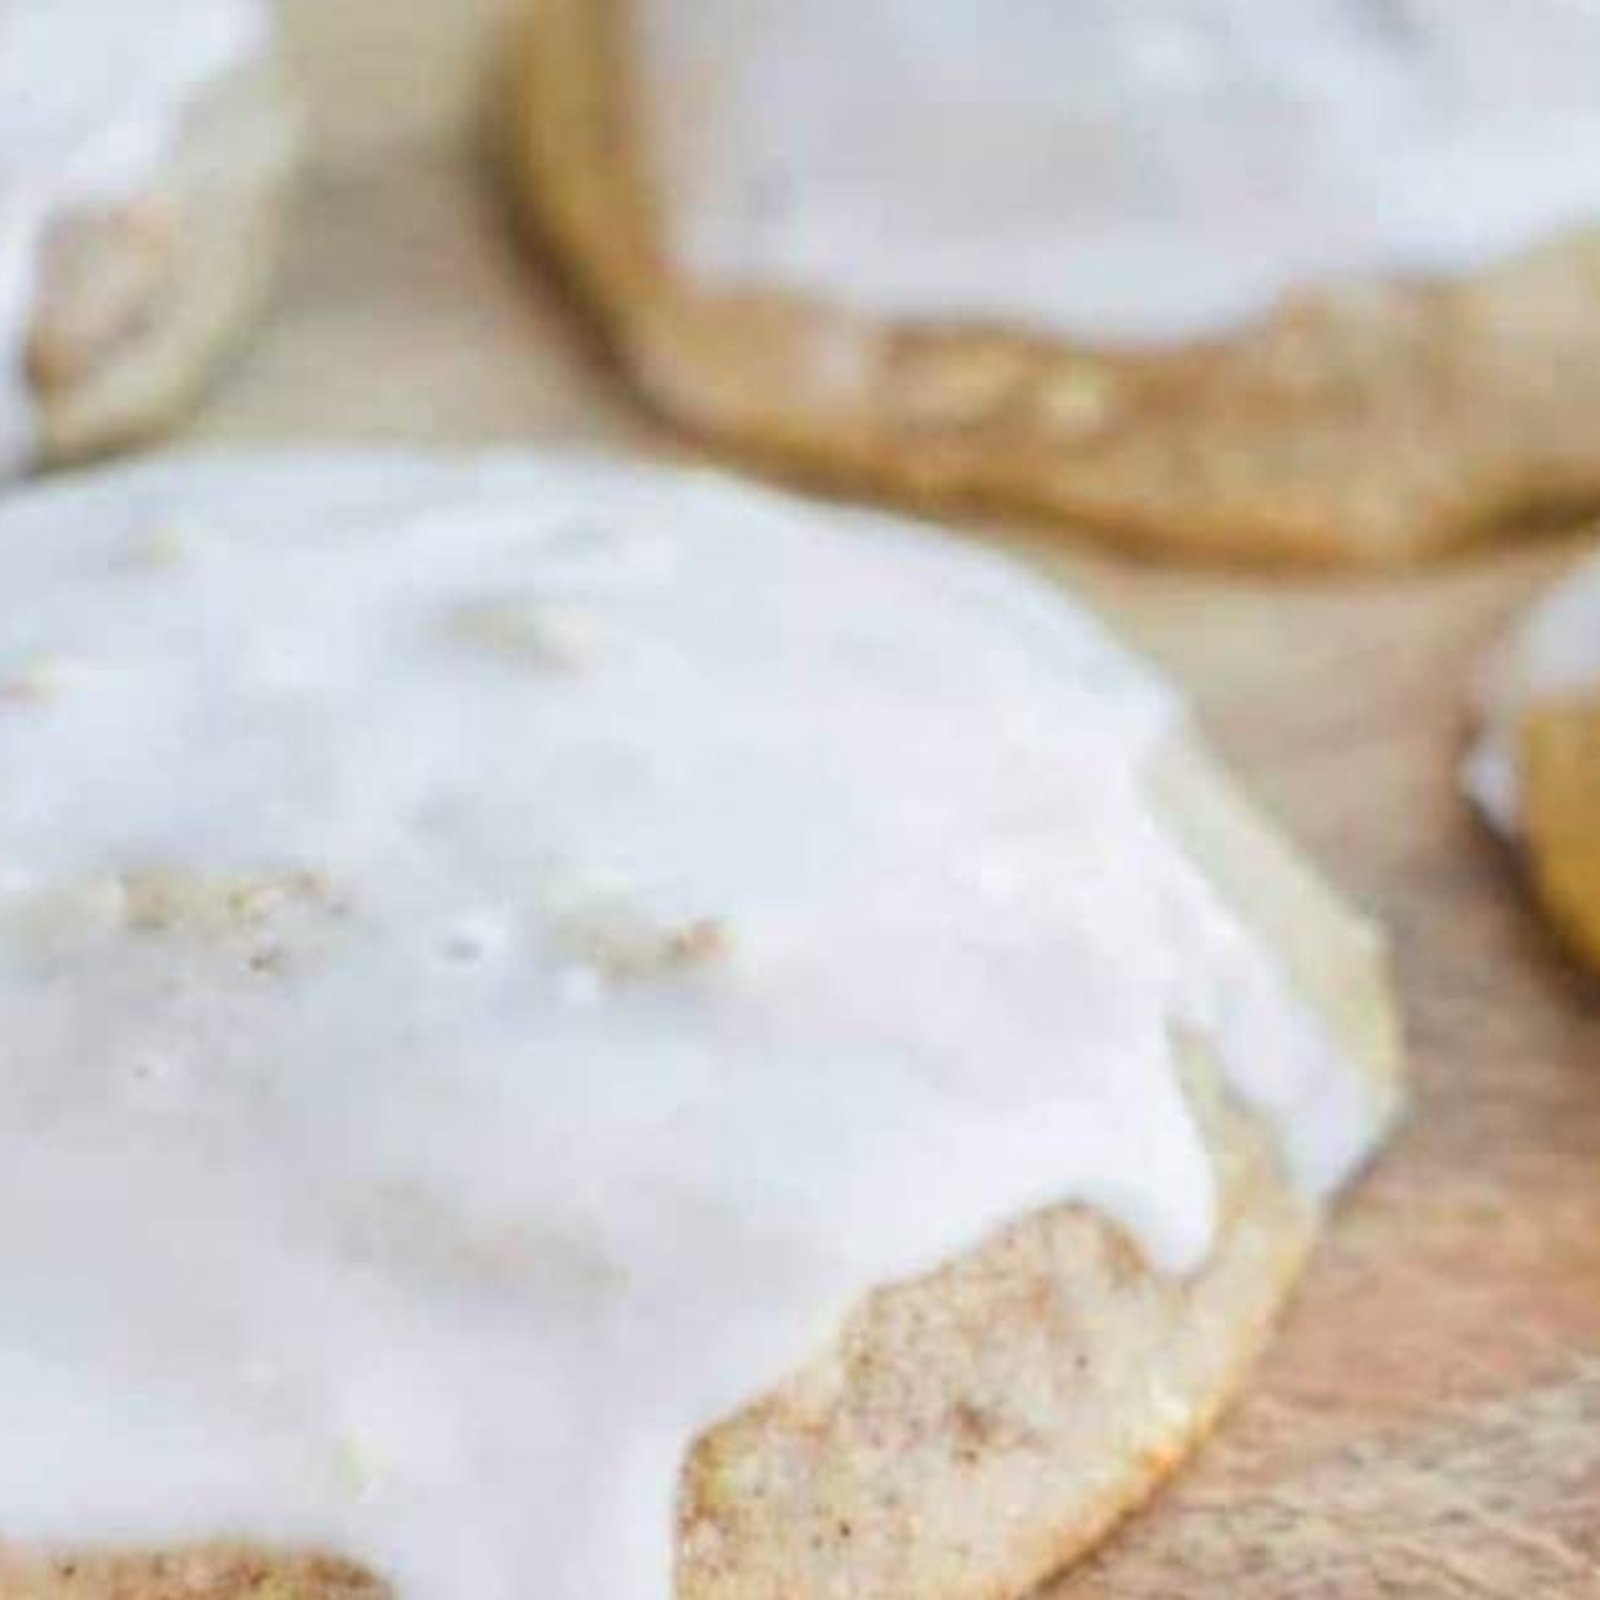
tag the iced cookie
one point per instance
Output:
(576, 1030)
(1250, 279)
(145, 151)
(1535, 771)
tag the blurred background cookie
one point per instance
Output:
(145, 152)
(1536, 769)
(1309, 281)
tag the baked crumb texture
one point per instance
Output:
(1373, 424)
(976, 1430)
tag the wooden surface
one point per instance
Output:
(1429, 1423)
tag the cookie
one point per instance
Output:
(581, 1029)
(1535, 771)
(149, 151)
(1267, 284)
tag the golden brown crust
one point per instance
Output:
(977, 1429)
(1561, 787)
(214, 1572)
(1374, 424)
(140, 300)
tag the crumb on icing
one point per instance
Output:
(625, 945)
(539, 633)
(206, 905)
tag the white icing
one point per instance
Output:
(1554, 653)
(496, 958)
(92, 93)
(1120, 172)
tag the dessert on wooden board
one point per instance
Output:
(579, 1029)
(146, 150)
(1310, 281)
(1535, 769)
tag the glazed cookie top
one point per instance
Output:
(1553, 655)
(497, 957)
(92, 94)
(1129, 174)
